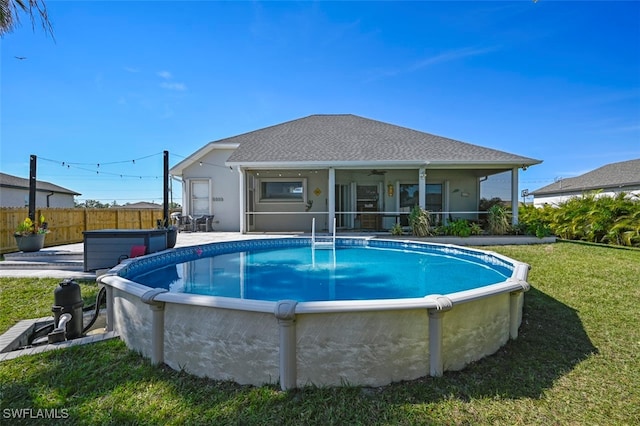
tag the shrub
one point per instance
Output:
(591, 217)
(498, 220)
(458, 228)
(397, 229)
(420, 222)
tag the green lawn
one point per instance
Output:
(576, 362)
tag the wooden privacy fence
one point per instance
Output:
(66, 225)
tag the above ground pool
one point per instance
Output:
(306, 273)
(302, 312)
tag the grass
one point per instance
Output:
(576, 362)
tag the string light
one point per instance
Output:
(101, 171)
(78, 166)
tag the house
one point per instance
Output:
(14, 192)
(365, 174)
(141, 205)
(610, 179)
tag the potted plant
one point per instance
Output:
(172, 232)
(30, 235)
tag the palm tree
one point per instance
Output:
(10, 15)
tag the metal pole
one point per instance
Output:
(166, 189)
(32, 187)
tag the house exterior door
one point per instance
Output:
(200, 197)
(368, 202)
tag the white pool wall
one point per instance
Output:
(368, 343)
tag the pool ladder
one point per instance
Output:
(323, 244)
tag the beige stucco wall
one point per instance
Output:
(224, 200)
(364, 348)
(474, 330)
(301, 222)
(132, 320)
(223, 344)
(333, 349)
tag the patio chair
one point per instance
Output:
(185, 223)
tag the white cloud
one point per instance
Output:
(447, 56)
(164, 74)
(173, 86)
(451, 55)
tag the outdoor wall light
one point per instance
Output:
(390, 190)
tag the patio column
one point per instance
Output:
(331, 193)
(243, 197)
(422, 180)
(514, 196)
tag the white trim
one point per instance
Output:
(514, 196)
(331, 195)
(197, 156)
(422, 188)
(243, 203)
(398, 164)
(326, 164)
(445, 201)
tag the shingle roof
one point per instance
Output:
(345, 138)
(11, 181)
(614, 175)
(141, 205)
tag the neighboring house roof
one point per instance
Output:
(350, 140)
(614, 175)
(10, 181)
(141, 205)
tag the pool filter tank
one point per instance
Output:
(68, 300)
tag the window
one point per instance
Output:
(434, 197)
(409, 196)
(282, 190)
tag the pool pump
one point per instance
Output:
(67, 302)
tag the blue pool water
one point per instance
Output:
(304, 274)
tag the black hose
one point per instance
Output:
(48, 327)
(100, 298)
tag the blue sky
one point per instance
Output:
(123, 81)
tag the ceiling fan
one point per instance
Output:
(377, 172)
